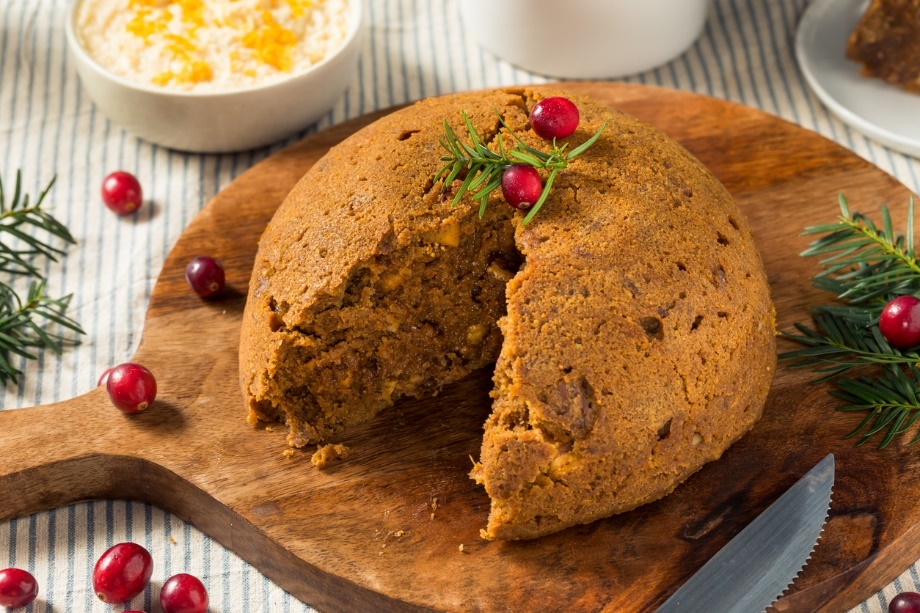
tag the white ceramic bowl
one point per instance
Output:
(231, 120)
(585, 39)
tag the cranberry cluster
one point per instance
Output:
(550, 118)
(124, 570)
(120, 574)
(132, 387)
(122, 193)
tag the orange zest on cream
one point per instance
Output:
(210, 44)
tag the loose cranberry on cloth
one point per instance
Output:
(555, 117)
(122, 572)
(905, 602)
(18, 588)
(104, 377)
(900, 322)
(131, 387)
(183, 593)
(121, 192)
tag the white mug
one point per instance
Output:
(585, 39)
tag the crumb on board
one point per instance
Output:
(329, 453)
(434, 506)
(288, 453)
(269, 429)
(461, 547)
(386, 537)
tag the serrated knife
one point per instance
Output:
(753, 570)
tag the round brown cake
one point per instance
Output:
(630, 321)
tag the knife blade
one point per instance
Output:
(753, 570)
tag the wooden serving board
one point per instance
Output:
(364, 534)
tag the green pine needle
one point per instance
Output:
(865, 266)
(28, 232)
(485, 167)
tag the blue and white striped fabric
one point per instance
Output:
(416, 48)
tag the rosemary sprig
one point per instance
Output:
(484, 167)
(24, 322)
(865, 266)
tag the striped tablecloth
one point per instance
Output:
(415, 48)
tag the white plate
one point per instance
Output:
(881, 111)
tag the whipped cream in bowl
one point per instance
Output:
(215, 75)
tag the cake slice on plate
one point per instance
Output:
(887, 42)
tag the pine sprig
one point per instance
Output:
(840, 343)
(16, 217)
(865, 266)
(890, 400)
(24, 322)
(484, 167)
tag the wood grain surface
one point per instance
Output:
(367, 534)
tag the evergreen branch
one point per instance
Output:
(879, 256)
(890, 400)
(24, 323)
(865, 266)
(23, 326)
(484, 167)
(15, 217)
(848, 338)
